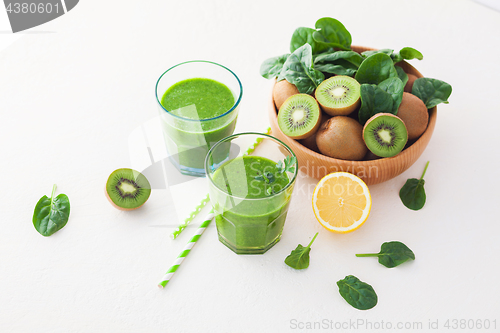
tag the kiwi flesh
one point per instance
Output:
(414, 114)
(310, 141)
(338, 95)
(299, 116)
(282, 90)
(341, 137)
(409, 84)
(127, 189)
(385, 135)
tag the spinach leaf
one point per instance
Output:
(357, 293)
(375, 69)
(51, 214)
(412, 193)
(394, 87)
(406, 53)
(431, 91)
(272, 67)
(303, 36)
(338, 62)
(366, 54)
(299, 258)
(391, 254)
(298, 70)
(409, 53)
(402, 75)
(373, 100)
(332, 33)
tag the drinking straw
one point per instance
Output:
(187, 249)
(205, 200)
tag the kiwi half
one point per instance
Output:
(127, 189)
(299, 116)
(385, 134)
(341, 137)
(339, 95)
(413, 112)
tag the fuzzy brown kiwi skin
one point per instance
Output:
(341, 137)
(282, 91)
(409, 85)
(413, 112)
(310, 142)
(116, 206)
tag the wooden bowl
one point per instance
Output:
(372, 172)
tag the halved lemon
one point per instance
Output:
(341, 202)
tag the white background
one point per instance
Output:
(72, 91)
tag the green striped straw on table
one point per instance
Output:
(205, 200)
(187, 249)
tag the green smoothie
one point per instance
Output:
(190, 135)
(252, 216)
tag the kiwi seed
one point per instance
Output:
(299, 116)
(338, 95)
(414, 114)
(385, 135)
(341, 137)
(282, 90)
(127, 189)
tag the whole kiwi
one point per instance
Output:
(341, 137)
(413, 112)
(310, 142)
(282, 90)
(409, 85)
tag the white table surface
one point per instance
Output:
(74, 90)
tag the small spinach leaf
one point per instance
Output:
(51, 214)
(373, 100)
(298, 70)
(375, 69)
(412, 193)
(338, 62)
(303, 36)
(332, 33)
(357, 293)
(402, 75)
(366, 54)
(394, 87)
(299, 258)
(392, 254)
(272, 67)
(431, 91)
(409, 53)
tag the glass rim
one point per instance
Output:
(235, 105)
(209, 176)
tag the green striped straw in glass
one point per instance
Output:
(187, 249)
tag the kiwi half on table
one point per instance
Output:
(339, 95)
(385, 135)
(127, 189)
(299, 116)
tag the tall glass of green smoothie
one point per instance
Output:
(198, 103)
(250, 193)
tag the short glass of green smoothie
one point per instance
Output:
(250, 193)
(198, 103)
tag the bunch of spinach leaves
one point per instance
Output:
(326, 50)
